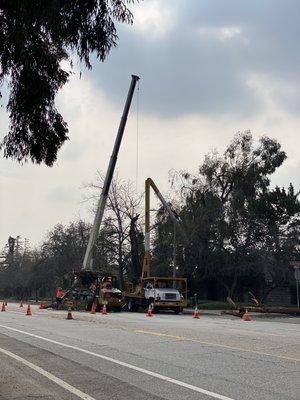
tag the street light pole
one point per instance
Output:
(296, 265)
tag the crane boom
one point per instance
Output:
(87, 262)
(147, 257)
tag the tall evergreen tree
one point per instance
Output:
(36, 36)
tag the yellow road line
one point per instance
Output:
(256, 332)
(184, 338)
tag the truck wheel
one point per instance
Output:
(131, 306)
(177, 310)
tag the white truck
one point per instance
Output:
(161, 293)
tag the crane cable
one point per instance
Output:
(137, 135)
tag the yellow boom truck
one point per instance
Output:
(169, 293)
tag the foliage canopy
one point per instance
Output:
(242, 232)
(36, 36)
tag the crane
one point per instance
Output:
(86, 277)
(87, 262)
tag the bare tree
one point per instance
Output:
(122, 209)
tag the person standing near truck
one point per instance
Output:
(59, 296)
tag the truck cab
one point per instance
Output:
(160, 292)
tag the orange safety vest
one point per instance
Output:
(106, 285)
(60, 294)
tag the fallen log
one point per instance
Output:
(235, 313)
(263, 310)
(260, 308)
(276, 310)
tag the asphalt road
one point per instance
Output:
(129, 356)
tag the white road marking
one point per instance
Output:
(51, 377)
(124, 364)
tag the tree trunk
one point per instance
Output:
(136, 267)
(121, 265)
(233, 285)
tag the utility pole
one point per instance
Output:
(174, 254)
(297, 278)
(174, 250)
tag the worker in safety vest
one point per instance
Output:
(106, 282)
(106, 286)
(59, 295)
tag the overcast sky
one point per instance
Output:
(208, 69)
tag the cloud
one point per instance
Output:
(221, 33)
(204, 64)
(153, 19)
(278, 95)
(208, 69)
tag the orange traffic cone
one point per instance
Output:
(28, 311)
(196, 314)
(149, 311)
(3, 306)
(104, 310)
(93, 309)
(41, 305)
(247, 316)
(21, 303)
(69, 315)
